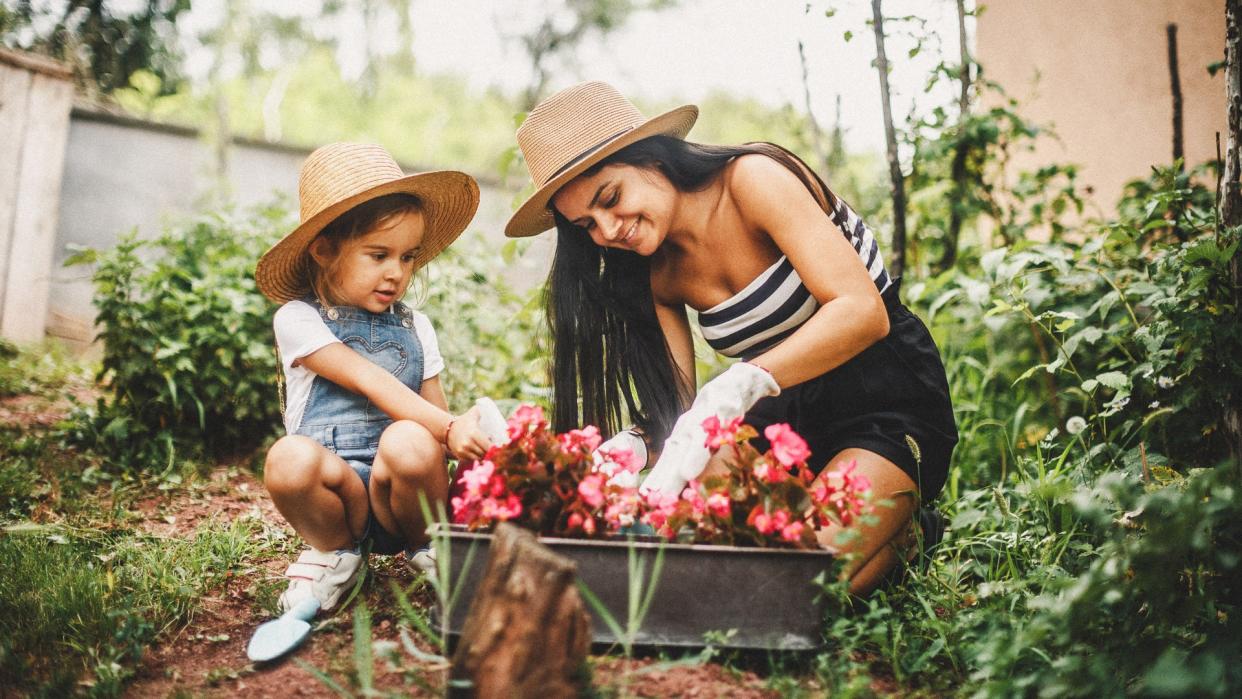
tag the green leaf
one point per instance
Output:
(1114, 380)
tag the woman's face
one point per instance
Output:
(621, 206)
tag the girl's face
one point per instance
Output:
(373, 270)
(621, 206)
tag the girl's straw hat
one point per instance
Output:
(574, 129)
(339, 176)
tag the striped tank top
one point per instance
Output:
(777, 303)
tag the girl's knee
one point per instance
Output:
(292, 464)
(408, 450)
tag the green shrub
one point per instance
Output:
(188, 358)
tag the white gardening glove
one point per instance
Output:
(618, 473)
(491, 421)
(727, 396)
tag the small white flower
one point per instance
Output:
(1154, 404)
(1121, 402)
(1164, 382)
(1075, 425)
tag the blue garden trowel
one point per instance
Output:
(279, 636)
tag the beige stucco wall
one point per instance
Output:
(1098, 71)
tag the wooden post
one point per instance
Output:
(1230, 195)
(527, 632)
(36, 94)
(898, 257)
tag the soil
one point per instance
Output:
(206, 657)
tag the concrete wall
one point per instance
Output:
(122, 174)
(1098, 71)
(35, 96)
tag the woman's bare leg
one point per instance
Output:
(876, 548)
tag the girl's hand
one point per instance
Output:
(465, 439)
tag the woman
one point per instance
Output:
(781, 274)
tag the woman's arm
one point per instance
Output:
(676, 328)
(851, 316)
(350, 370)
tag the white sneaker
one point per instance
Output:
(422, 561)
(322, 575)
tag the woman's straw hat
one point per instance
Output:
(574, 129)
(339, 176)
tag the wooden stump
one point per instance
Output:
(526, 633)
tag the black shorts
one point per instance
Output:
(891, 399)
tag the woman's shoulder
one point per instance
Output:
(755, 175)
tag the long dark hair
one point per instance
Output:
(608, 350)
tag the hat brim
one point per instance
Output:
(449, 200)
(534, 216)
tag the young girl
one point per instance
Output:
(782, 274)
(365, 412)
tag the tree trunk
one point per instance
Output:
(527, 633)
(817, 141)
(1175, 86)
(1231, 196)
(898, 258)
(962, 148)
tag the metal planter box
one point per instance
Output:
(770, 598)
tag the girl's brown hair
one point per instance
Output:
(355, 223)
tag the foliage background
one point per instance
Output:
(1094, 540)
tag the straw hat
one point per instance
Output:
(574, 129)
(337, 177)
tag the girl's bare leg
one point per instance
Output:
(322, 498)
(410, 463)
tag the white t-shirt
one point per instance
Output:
(300, 332)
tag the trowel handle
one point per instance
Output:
(304, 610)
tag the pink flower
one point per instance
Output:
(760, 520)
(767, 523)
(718, 504)
(660, 506)
(625, 458)
(692, 496)
(769, 472)
(622, 507)
(526, 417)
(477, 477)
(792, 531)
(719, 435)
(585, 439)
(787, 446)
(495, 509)
(591, 490)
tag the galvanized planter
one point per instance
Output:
(771, 598)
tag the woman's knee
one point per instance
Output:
(293, 464)
(407, 450)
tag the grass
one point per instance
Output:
(85, 602)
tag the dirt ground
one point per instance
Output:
(206, 657)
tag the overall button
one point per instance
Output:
(407, 322)
(333, 314)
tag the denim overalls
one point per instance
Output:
(347, 423)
